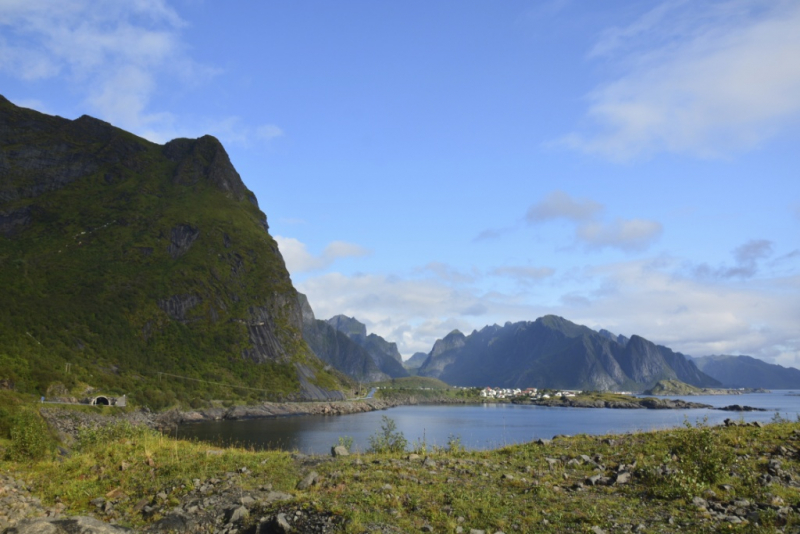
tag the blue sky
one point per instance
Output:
(430, 165)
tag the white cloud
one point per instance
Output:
(746, 258)
(706, 79)
(559, 205)
(698, 318)
(416, 308)
(624, 234)
(447, 273)
(627, 235)
(646, 297)
(299, 260)
(524, 274)
(491, 234)
(114, 52)
(268, 132)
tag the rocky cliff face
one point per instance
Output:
(416, 360)
(383, 353)
(552, 352)
(121, 253)
(337, 349)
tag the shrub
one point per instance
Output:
(91, 436)
(389, 439)
(697, 460)
(454, 445)
(346, 442)
(30, 437)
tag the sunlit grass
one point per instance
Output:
(519, 488)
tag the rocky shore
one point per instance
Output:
(629, 403)
(68, 422)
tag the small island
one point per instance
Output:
(676, 387)
(596, 399)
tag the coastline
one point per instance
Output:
(68, 423)
(632, 403)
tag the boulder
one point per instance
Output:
(66, 525)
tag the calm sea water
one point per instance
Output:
(485, 426)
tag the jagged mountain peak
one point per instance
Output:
(350, 326)
(554, 352)
(383, 353)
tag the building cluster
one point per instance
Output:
(532, 393)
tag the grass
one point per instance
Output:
(424, 389)
(413, 382)
(522, 488)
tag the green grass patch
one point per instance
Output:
(522, 488)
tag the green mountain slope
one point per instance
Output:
(121, 259)
(552, 352)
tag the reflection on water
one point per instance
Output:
(483, 426)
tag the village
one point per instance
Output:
(532, 393)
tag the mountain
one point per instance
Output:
(415, 361)
(552, 352)
(383, 353)
(622, 340)
(748, 372)
(337, 349)
(141, 268)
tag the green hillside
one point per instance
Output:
(414, 382)
(672, 387)
(121, 259)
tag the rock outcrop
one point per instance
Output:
(337, 349)
(384, 354)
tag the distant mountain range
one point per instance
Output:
(553, 352)
(748, 372)
(343, 343)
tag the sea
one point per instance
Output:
(480, 426)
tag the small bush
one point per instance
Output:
(454, 445)
(697, 460)
(30, 437)
(91, 436)
(346, 442)
(389, 439)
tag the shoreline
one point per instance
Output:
(69, 422)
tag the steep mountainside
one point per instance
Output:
(748, 372)
(123, 262)
(337, 349)
(552, 352)
(622, 340)
(416, 360)
(383, 353)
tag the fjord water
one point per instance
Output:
(482, 426)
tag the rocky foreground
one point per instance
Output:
(736, 477)
(557, 473)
